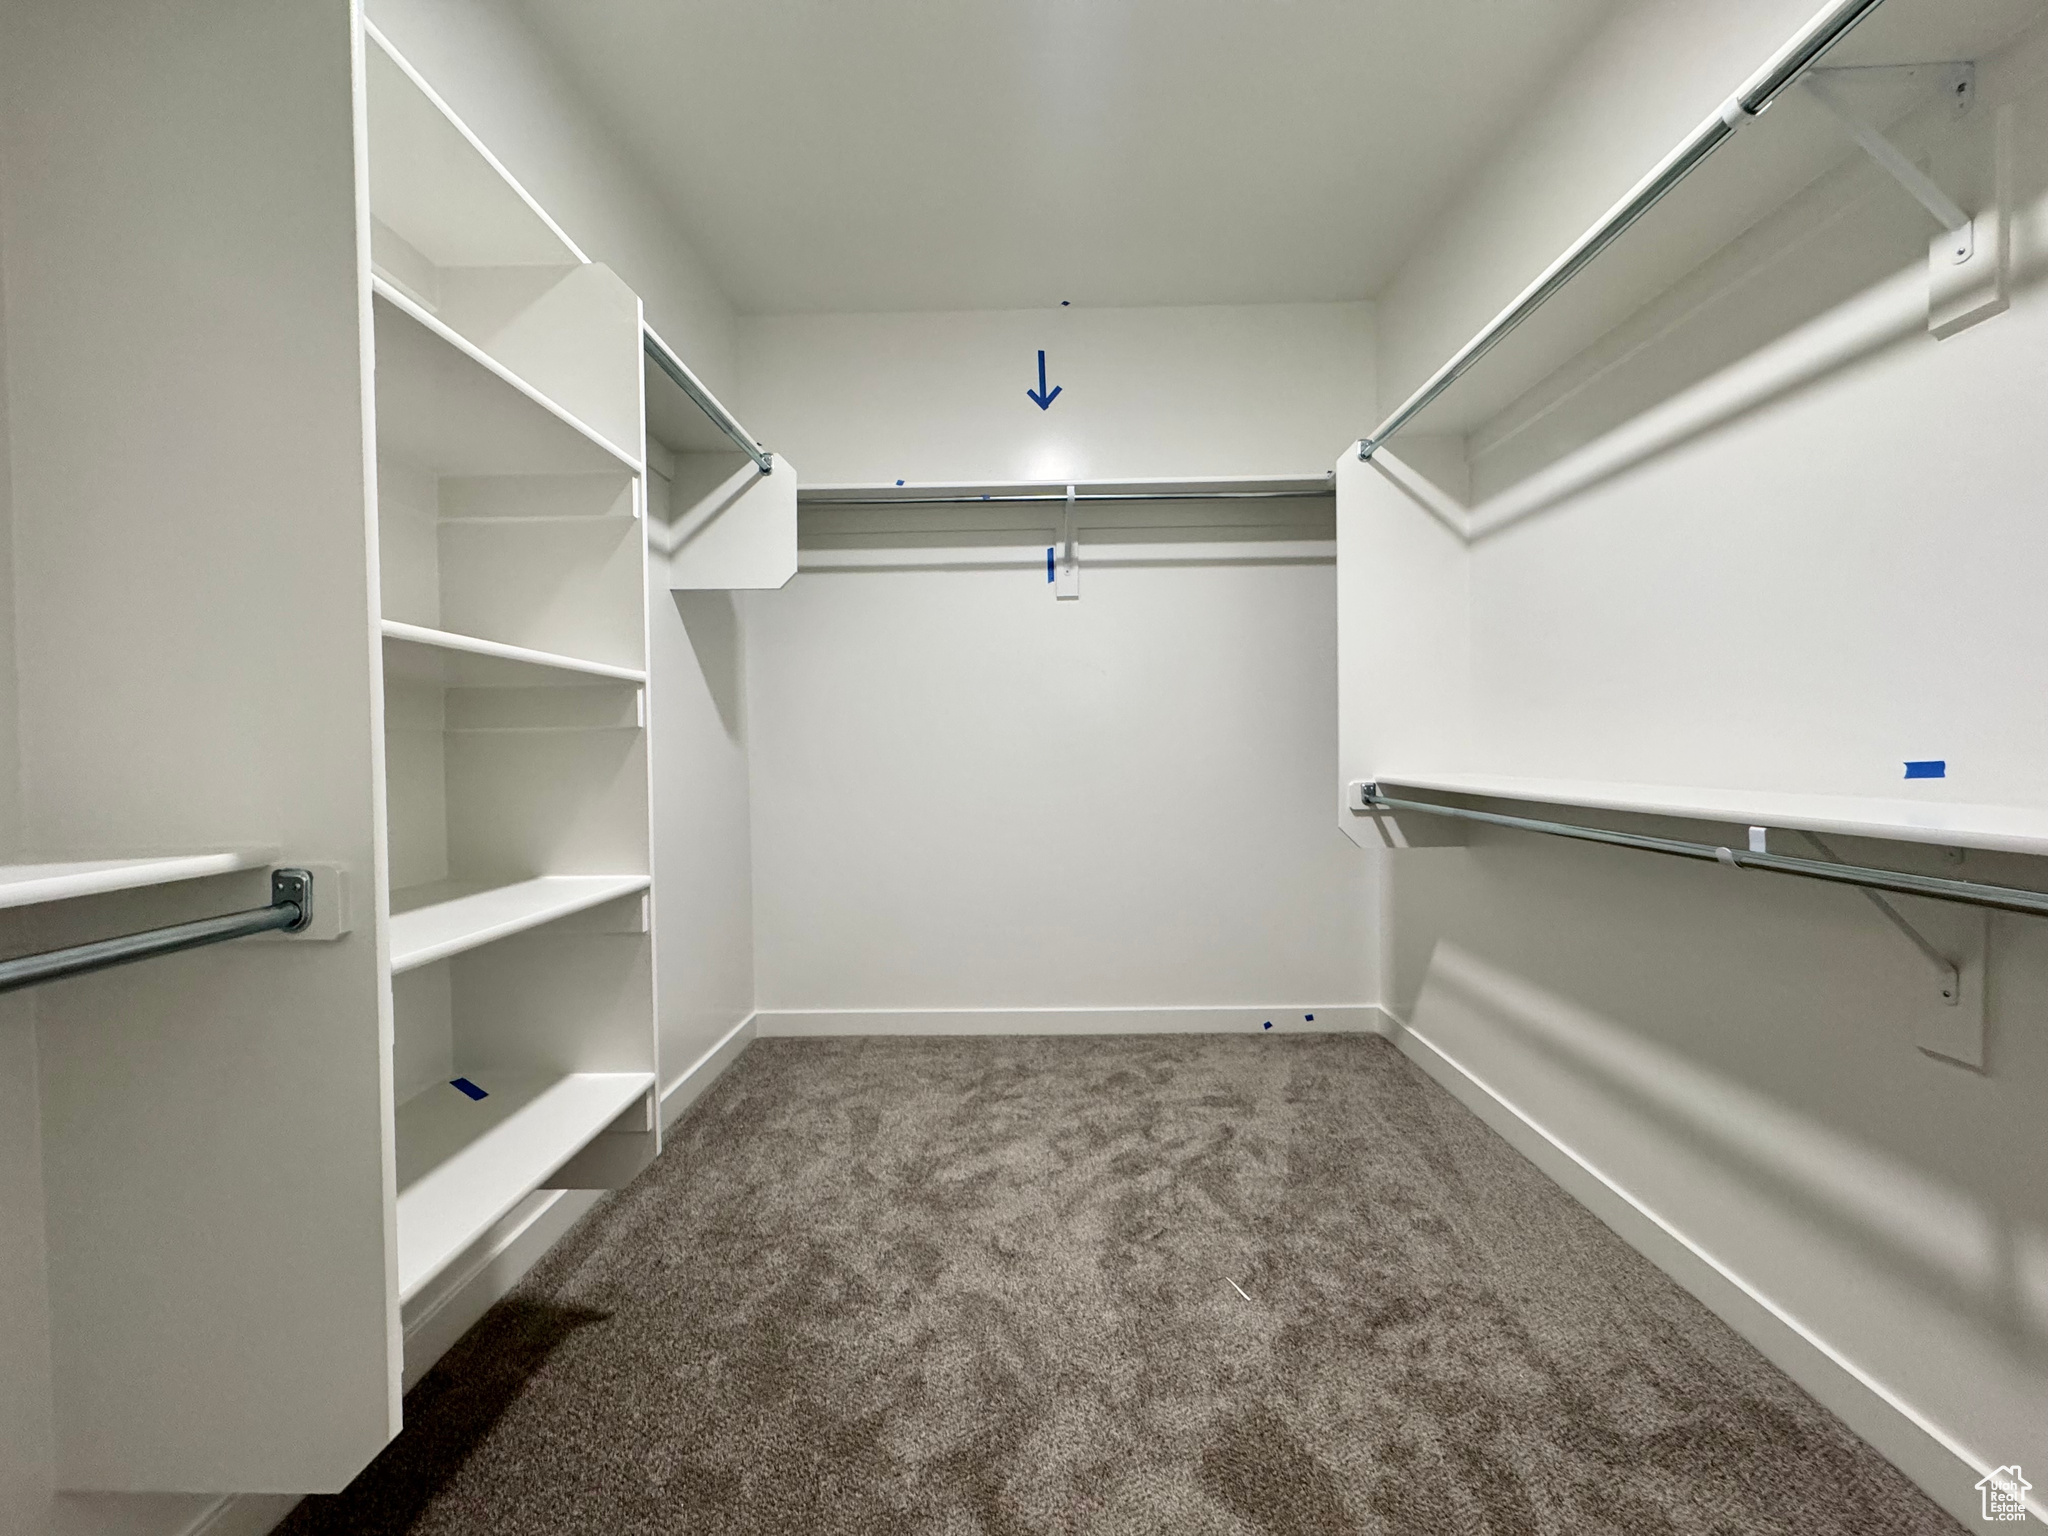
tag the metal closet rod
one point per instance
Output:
(1740, 108)
(290, 911)
(2002, 898)
(706, 402)
(1058, 496)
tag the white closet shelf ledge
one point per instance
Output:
(442, 920)
(1317, 483)
(399, 300)
(464, 1163)
(1944, 823)
(439, 657)
(28, 885)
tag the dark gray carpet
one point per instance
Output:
(992, 1286)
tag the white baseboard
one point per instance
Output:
(1290, 1019)
(689, 1084)
(244, 1514)
(1945, 1470)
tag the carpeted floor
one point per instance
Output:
(1191, 1284)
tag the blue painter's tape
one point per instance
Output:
(1932, 768)
(1269, 1023)
(899, 482)
(466, 1086)
(1310, 1017)
(1048, 562)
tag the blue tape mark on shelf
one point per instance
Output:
(1269, 1023)
(466, 1086)
(1931, 768)
(1048, 562)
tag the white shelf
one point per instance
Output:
(464, 661)
(447, 406)
(1947, 823)
(1318, 483)
(430, 923)
(436, 185)
(464, 1163)
(28, 885)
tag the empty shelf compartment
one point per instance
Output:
(446, 406)
(464, 1162)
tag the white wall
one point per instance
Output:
(973, 798)
(1637, 87)
(1223, 390)
(702, 835)
(1832, 581)
(25, 1447)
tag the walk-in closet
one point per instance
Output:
(1038, 767)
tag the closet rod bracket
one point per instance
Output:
(1946, 210)
(290, 911)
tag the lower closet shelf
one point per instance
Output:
(432, 922)
(465, 1162)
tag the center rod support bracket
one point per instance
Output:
(1947, 211)
(1946, 970)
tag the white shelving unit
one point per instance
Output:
(363, 579)
(513, 618)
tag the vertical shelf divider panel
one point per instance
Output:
(186, 349)
(514, 621)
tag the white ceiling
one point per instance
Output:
(987, 154)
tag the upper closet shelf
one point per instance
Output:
(447, 406)
(964, 492)
(439, 921)
(463, 661)
(435, 185)
(1950, 824)
(28, 885)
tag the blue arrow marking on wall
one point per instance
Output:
(1041, 396)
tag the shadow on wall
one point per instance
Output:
(712, 621)
(447, 1416)
(1949, 1243)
